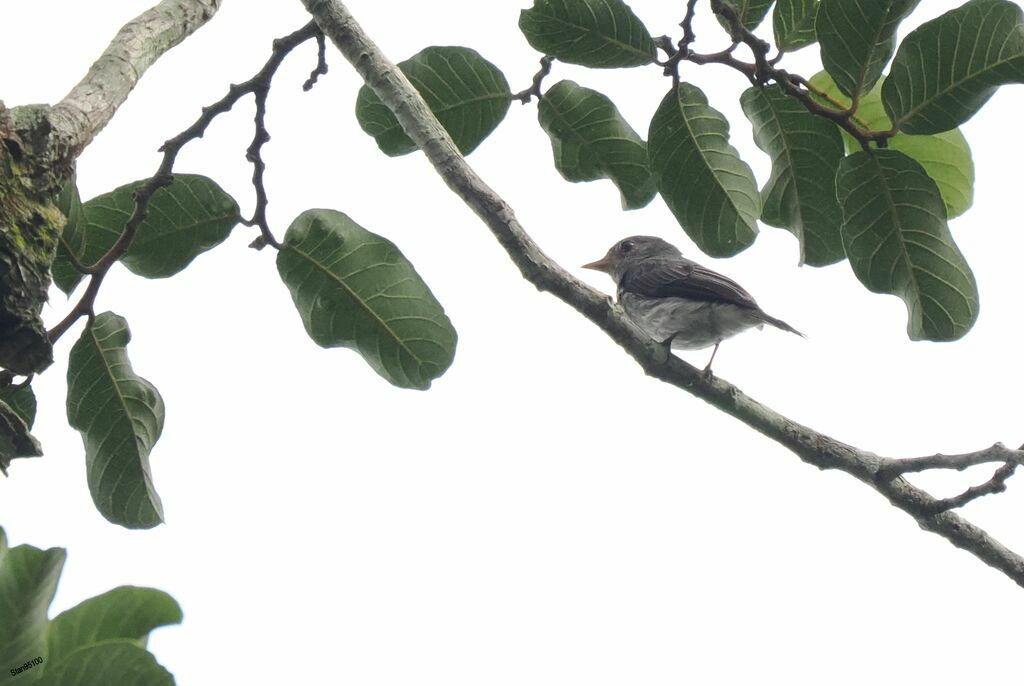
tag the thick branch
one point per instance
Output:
(92, 103)
(391, 86)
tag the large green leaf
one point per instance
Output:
(897, 240)
(801, 194)
(28, 580)
(120, 416)
(945, 156)
(857, 39)
(467, 94)
(112, 663)
(98, 642)
(793, 24)
(709, 189)
(22, 400)
(70, 204)
(184, 219)
(126, 612)
(947, 68)
(354, 289)
(594, 33)
(591, 140)
(750, 12)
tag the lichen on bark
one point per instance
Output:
(30, 225)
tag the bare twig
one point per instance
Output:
(997, 453)
(258, 85)
(533, 91)
(687, 24)
(996, 484)
(815, 448)
(321, 63)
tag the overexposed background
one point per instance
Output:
(545, 514)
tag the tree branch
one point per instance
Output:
(259, 86)
(815, 448)
(91, 104)
(997, 453)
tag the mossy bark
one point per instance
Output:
(30, 225)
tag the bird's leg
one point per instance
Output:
(707, 369)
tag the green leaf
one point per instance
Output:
(126, 612)
(750, 12)
(22, 400)
(594, 33)
(897, 240)
(70, 204)
(120, 416)
(857, 39)
(184, 219)
(15, 439)
(793, 23)
(28, 581)
(354, 289)
(112, 663)
(17, 413)
(591, 140)
(467, 94)
(801, 194)
(947, 68)
(709, 189)
(945, 156)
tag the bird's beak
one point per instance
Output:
(602, 265)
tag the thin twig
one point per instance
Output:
(996, 484)
(997, 453)
(321, 62)
(533, 91)
(687, 23)
(763, 70)
(260, 83)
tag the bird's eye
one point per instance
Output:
(625, 246)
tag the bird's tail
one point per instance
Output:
(778, 323)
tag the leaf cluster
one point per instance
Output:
(98, 642)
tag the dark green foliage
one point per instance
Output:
(354, 289)
(710, 190)
(594, 33)
(801, 194)
(897, 240)
(591, 140)
(467, 94)
(120, 416)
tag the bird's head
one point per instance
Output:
(630, 251)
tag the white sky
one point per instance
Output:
(545, 514)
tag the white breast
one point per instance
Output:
(691, 324)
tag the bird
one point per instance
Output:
(676, 301)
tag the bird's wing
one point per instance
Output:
(678, 278)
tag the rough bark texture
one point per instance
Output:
(38, 148)
(881, 473)
(29, 226)
(92, 103)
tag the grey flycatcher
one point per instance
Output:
(677, 301)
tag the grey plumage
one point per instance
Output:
(675, 299)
